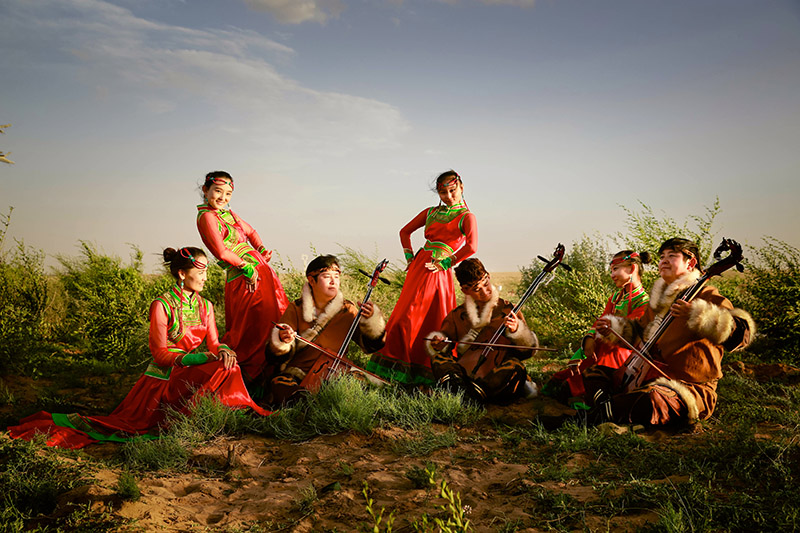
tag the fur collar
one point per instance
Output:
(662, 295)
(310, 311)
(471, 307)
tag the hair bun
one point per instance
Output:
(645, 257)
(170, 254)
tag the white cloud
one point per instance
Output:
(230, 74)
(298, 11)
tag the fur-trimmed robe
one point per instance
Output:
(691, 348)
(473, 322)
(327, 329)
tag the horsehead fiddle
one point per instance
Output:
(549, 267)
(635, 369)
(327, 366)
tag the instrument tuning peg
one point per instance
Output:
(543, 259)
(566, 266)
(739, 267)
(386, 281)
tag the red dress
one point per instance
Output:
(173, 378)
(628, 302)
(427, 297)
(248, 315)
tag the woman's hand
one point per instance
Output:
(252, 283)
(228, 358)
(266, 254)
(367, 309)
(602, 325)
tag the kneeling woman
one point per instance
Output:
(179, 322)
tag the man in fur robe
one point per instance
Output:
(322, 316)
(502, 377)
(689, 352)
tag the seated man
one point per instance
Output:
(689, 352)
(322, 316)
(502, 377)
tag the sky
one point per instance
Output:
(335, 116)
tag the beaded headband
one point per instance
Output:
(455, 179)
(186, 254)
(628, 257)
(220, 181)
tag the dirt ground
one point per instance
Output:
(254, 483)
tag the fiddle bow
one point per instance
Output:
(549, 267)
(634, 373)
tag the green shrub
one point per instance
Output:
(561, 311)
(107, 305)
(127, 487)
(24, 296)
(771, 292)
(166, 453)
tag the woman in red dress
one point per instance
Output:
(179, 322)
(629, 300)
(254, 296)
(451, 234)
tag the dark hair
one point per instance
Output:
(217, 174)
(320, 264)
(177, 259)
(632, 258)
(688, 248)
(445, 177)
(470, 271)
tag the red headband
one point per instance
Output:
(186, 254)
(220, 181)
(456, 178)
(628, 257)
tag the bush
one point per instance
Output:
(771, 292)
(107, 305)
(561, 311)
(24, 296)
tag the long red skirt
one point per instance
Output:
(426, 299)
(249, 318)
(144, 408)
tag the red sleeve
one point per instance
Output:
(470, 228)
(249, 232)
(158, 335)
(416, 223)
(212, 238)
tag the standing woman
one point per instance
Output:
(254, 296)
(179, 322)
(451, 234)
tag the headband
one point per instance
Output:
(186, 254)
(317, 272)
(219, 181)
(628, 257)
(456, 178)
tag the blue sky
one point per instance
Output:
(334, 117)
